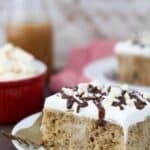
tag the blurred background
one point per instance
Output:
(79, 21)
(67, 35)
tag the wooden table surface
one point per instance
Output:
(6, 144)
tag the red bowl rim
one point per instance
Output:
(42, 73)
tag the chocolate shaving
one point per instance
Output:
(80, 105)
(84, 101)
(75, 88)
(93, 89)
(139, 103)
(70, 103)
(92, 98)
(115, 104)
(70, 99)
(109, 89)
(98, 96)
(122, 100)
(123, 92)
(138, 42)
(80, 95)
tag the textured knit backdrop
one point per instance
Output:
(78, 21)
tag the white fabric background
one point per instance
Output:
(79, 21)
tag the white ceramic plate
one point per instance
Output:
(25, 123)
(104, 70)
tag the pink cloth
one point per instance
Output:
(78, 59)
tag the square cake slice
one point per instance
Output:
(96, 117)
(133, 57)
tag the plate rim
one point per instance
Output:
(99, 61)
(16, 128)
(107, 59)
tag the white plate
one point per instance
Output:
(104, 70)
(25, 123)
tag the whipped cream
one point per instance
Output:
(130, 47)
(125, 114)
(15, 63)
(138, 47)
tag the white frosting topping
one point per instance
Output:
(15, 63)
(139, 47)
(125, 118)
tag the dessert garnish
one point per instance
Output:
(139, 43)
(82, 95)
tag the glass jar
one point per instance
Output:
(28, 26)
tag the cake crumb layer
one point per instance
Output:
(67, 132)
(64, 131)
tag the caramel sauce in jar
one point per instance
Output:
(36, 38)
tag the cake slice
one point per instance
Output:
(96, 117)
(134, 61)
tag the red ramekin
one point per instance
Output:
(23, 97)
